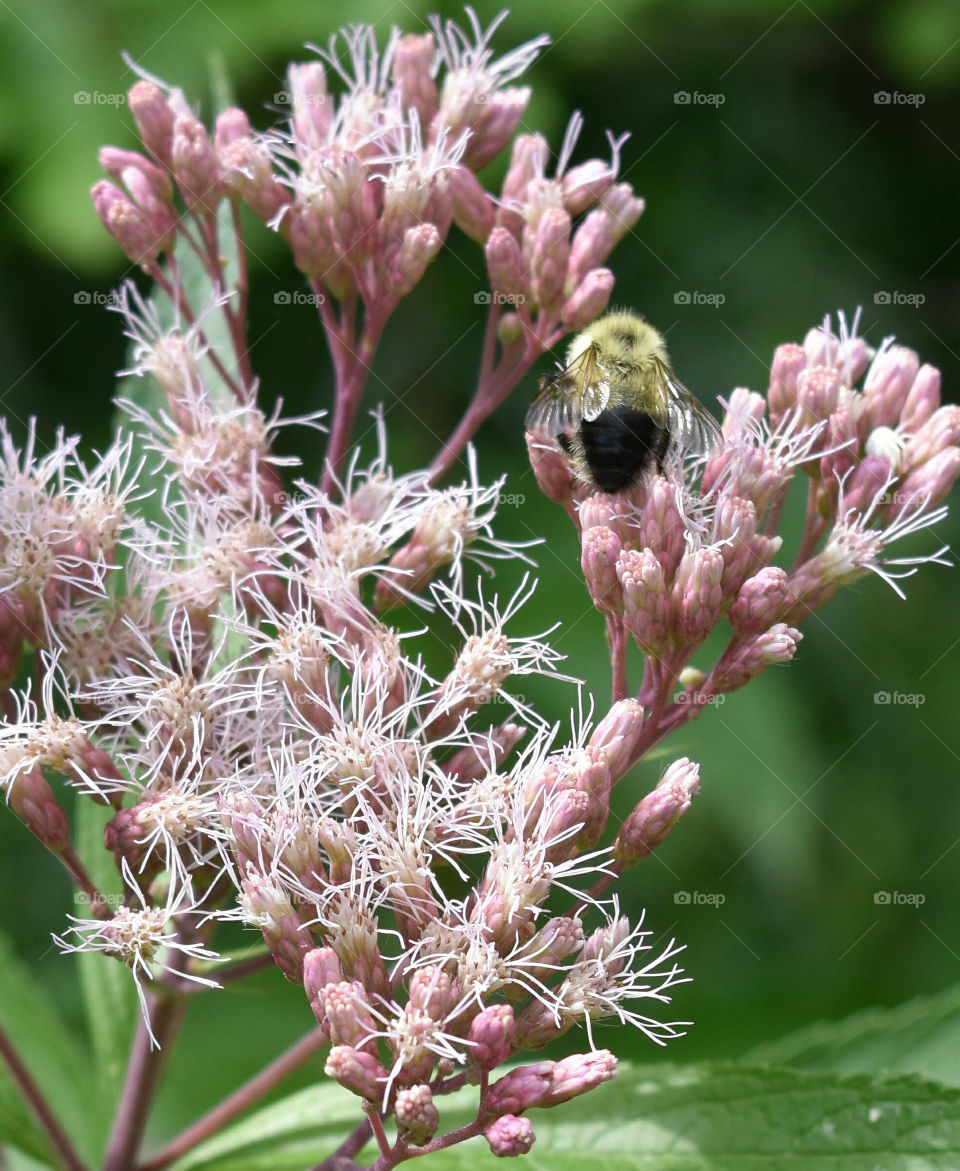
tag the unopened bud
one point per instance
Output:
(417, 1116)
(490, 1039)
(697, 595)
(789, 361)
(549, 258)
(589, 299)
(656, 815)
(510, 1136)
(357, 1071)
(617, 735)
(599, 554)
(761, 601)
(154, 118)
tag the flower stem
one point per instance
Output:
(143, 1077)
(38, 1103)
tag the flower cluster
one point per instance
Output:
(673, 558)
(365, 185)
(215, 654)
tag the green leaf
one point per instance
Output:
(55, 1059)
(109, 996)
(18, 1127)
(288, 1135)
(920, 1037)
(711, 1117)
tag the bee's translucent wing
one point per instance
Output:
(693, 430)
(578, 392)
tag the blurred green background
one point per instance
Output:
(798, 194)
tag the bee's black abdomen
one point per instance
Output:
(620, 445)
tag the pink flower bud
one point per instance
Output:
(125, 222)
(748, 658)
(510, 1136)
(490, 1038)
(418, 1119)
(697, 595)
(842, 438)
(476, 760)
(820, 347)
(603, 944)
(420, 245)
(116, 161)
(521, 1088)
(617, 735)
(869, 480)
(313, 108)
(557, 939)
(922, 400)
(940, 431)
(412, 61)
(357, 1071)
(33, 801)
(646, 605)
(886, 387)
(504, 262)
(818, 388)
(623, 209)
(930, 484)
(246, 167)
(154, 118)
(589, 300)
(735, 532)
(549, 258)
(472, 207)
(537, 1026)
(583, 185)
(598, 558)
(656, 815)
(194, 163)
(789, 361)
(579, 1073)
(162, 219)
(762, 599)
(283, 929)
(496, 125)
(662, 528)
(432, 992)
(593, 240)
(554, 476)
(529, 158)
(345, 1008)
(320, 968)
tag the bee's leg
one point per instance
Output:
(565, 442)
(661, 446)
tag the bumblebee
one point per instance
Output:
(617, 409)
